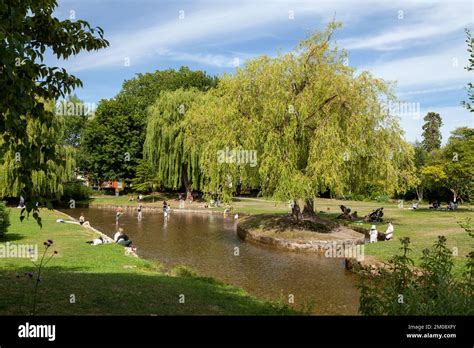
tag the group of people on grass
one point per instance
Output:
(374, 234)
(119, 237)
(451, 206)
(437, 206)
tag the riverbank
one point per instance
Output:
(422, 226)
(277, 231)
(90, 280)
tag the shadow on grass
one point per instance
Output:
(10, 237)
(64, 291)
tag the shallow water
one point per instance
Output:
(207, 244)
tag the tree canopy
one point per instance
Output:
(432, 131)
(114, 138)
(30, 164)
(174, 164)
(313, 122)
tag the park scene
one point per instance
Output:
(236, 158)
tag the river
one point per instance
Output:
(209, 244)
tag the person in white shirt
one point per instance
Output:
(373, 234)
(118, 234)
(96, 241)
(389, 232)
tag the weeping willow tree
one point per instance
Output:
(164, 149)
(27, 167)
(314, 122)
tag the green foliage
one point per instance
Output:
(112, 141)
(431, 131)
(74, 115)
(301, 112)
(400, 289)
(54, 162)
(27, 125)
(449, 168)
(76, 191)
(174, 164)
(145, 178)
(458, 161)
(184, 271)
(119, 125)
(470, 67)
(4, 218)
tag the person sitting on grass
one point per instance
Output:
(83, 222)
(389, 232)
(96, 241)
(121, 238)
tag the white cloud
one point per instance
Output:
(419, 23)
(445, 66)
(214, 22)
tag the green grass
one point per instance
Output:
(422, 226)
(105, 281)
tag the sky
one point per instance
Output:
(419, 44)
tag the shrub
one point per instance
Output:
(184, 271)
(433, 289)
(76, 191)
(4, 218)
(383, 198)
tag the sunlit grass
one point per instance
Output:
(105, 281)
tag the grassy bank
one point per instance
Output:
(104, 280)
(422, 226)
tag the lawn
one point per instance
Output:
(103, 280)
(423, 226)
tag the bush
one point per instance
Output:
(383, 198)
(353, 197)
(76, 191)
(184, 271)
(433, 289)
(4, 219)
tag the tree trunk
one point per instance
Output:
(187, 184)
(296, 212)
(455, 195)
(419, 193)
(308, 209)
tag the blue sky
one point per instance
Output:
(419, 44)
